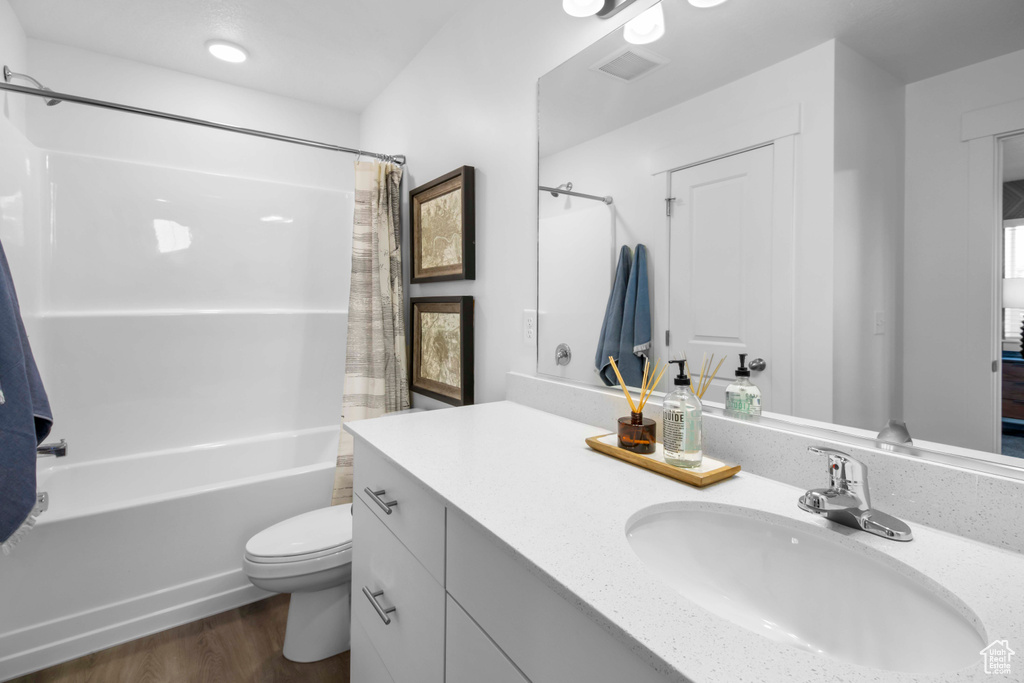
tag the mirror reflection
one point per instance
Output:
(834, 190)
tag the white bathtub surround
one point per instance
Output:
(137, 544)
(565, 522)
(975, 504)
(376, 379)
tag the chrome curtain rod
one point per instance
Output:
(557, 191)
(64, 97)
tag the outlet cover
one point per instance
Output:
(529, 326)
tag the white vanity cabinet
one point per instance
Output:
(464, 609)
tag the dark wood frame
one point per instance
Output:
(463, 305)
(460, 178)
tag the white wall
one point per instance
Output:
(469, 97)
(103, 133)
(936, 302)
(869, 178)
(13, 53)
(618, 163)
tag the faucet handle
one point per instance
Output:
(845, 472)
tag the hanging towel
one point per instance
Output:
(25, 418)
(611, 328)
(635, 338)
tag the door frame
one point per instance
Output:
(983, 130)
(778, 128)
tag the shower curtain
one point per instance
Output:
(376, 381)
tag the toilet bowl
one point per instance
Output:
(309, 556)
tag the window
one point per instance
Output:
(1013, 266)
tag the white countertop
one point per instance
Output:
(528, 478)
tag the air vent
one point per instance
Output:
(628, 64)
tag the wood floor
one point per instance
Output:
(242, 645)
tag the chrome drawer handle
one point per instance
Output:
(381, 612)
(384, 505)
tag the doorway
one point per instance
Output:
(720, 237)
(1012, 377)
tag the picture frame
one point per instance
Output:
(442, 348)
(443, 221)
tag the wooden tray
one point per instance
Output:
(709, 472)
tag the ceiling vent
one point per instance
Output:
(629, 63)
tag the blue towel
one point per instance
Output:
(635, 337)
(25, 417)
(611, 328)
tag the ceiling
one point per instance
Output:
(340, 53)
(911, 39)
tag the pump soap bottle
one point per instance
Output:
(681, 423)
(742, 398)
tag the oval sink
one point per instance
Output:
(790, 582)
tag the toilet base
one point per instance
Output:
(318, 624)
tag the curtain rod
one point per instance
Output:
(557, 191)
(103, 104)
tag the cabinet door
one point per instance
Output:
(472, 657)
(411, 512)
(366, 665)
(549, 640)
(385, 575)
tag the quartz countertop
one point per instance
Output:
(530, 481)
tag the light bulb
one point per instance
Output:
(228, 52)
(646, 27)
(703, 4)
(582, 8)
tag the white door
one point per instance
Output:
(720, 236)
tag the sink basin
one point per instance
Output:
(806, 587)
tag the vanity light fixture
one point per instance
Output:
(228, 52)
(646, 27)
(603, 9)
(582, 8)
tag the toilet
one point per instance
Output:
(309, 556)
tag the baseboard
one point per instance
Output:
(43, 645)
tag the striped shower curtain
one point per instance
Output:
(376, 381)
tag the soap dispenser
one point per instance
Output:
(742, 397)
(681, 423)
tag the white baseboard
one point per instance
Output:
(43, 645)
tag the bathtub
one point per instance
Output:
(137, 544)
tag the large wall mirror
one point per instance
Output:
(835, 188)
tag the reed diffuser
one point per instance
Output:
(706, 376)
(636, 433)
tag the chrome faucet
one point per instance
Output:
(847, 500)
(58, 449)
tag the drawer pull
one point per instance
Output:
(384, 505)
(381, 612)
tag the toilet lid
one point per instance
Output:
(312, 532)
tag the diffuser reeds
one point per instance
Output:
(650, 381)
(706, 376)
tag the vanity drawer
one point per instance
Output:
(416, 517)
(385, 575)
(366, 666)
(472, 656)
(549, 640)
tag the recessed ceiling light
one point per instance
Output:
(703, 4)
(228, 52)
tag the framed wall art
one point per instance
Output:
(442, 348)
(444, 228)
